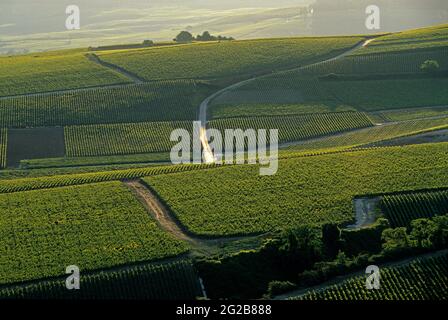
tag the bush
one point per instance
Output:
(278, 287)
(430, 66)
(148, 43)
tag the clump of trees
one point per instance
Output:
(185, 36)
(308, 255)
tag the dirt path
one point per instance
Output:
(207, 151)
(170, 224)
(340, 279)
(94, 58)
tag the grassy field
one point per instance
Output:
(418, 39)
(236, 200)
(401, 209)
(159, 101)
(422, 279)
(59, 70)
(226, 59)
(45, 231)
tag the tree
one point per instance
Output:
(184, 36)
(424, 232)
(148, 43)
(395, 239)
(331, 237)
(430, 66)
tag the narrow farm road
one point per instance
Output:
(208, 155)
(168, 223)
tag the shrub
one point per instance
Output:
(430, 66)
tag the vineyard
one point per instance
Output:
(116, 139)
(374, 134)
(386, 63)
(250, 110)
(56, 179)
(168, 281)
(236, 200)
(295, 128)
(3, 144)
(415, 113)
(422, 279)
(52, 71)
(158, 101)
(225, 59)
(389, 94)
(420, 39)
(45, 231)
(401, 209)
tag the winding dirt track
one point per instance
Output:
(207, 151)
(169, 223)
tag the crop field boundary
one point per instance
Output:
(168, 221)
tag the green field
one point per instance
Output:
(236, 200)
(168, 281)
(372, 95)
(415, 113)
(418, 39)
(401, 209)
(158, 101)
(116, 139)
(226, 59)
(86, 177)
(422, 279)
(375, 134)
(59, 70)
(45, 231)
(300, 127)
(385, 63)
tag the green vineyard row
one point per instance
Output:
(92, 226)
(401, 209)
(53, 71)
(157, 101)
(423, 279)
(169, 281)
(223, 59)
